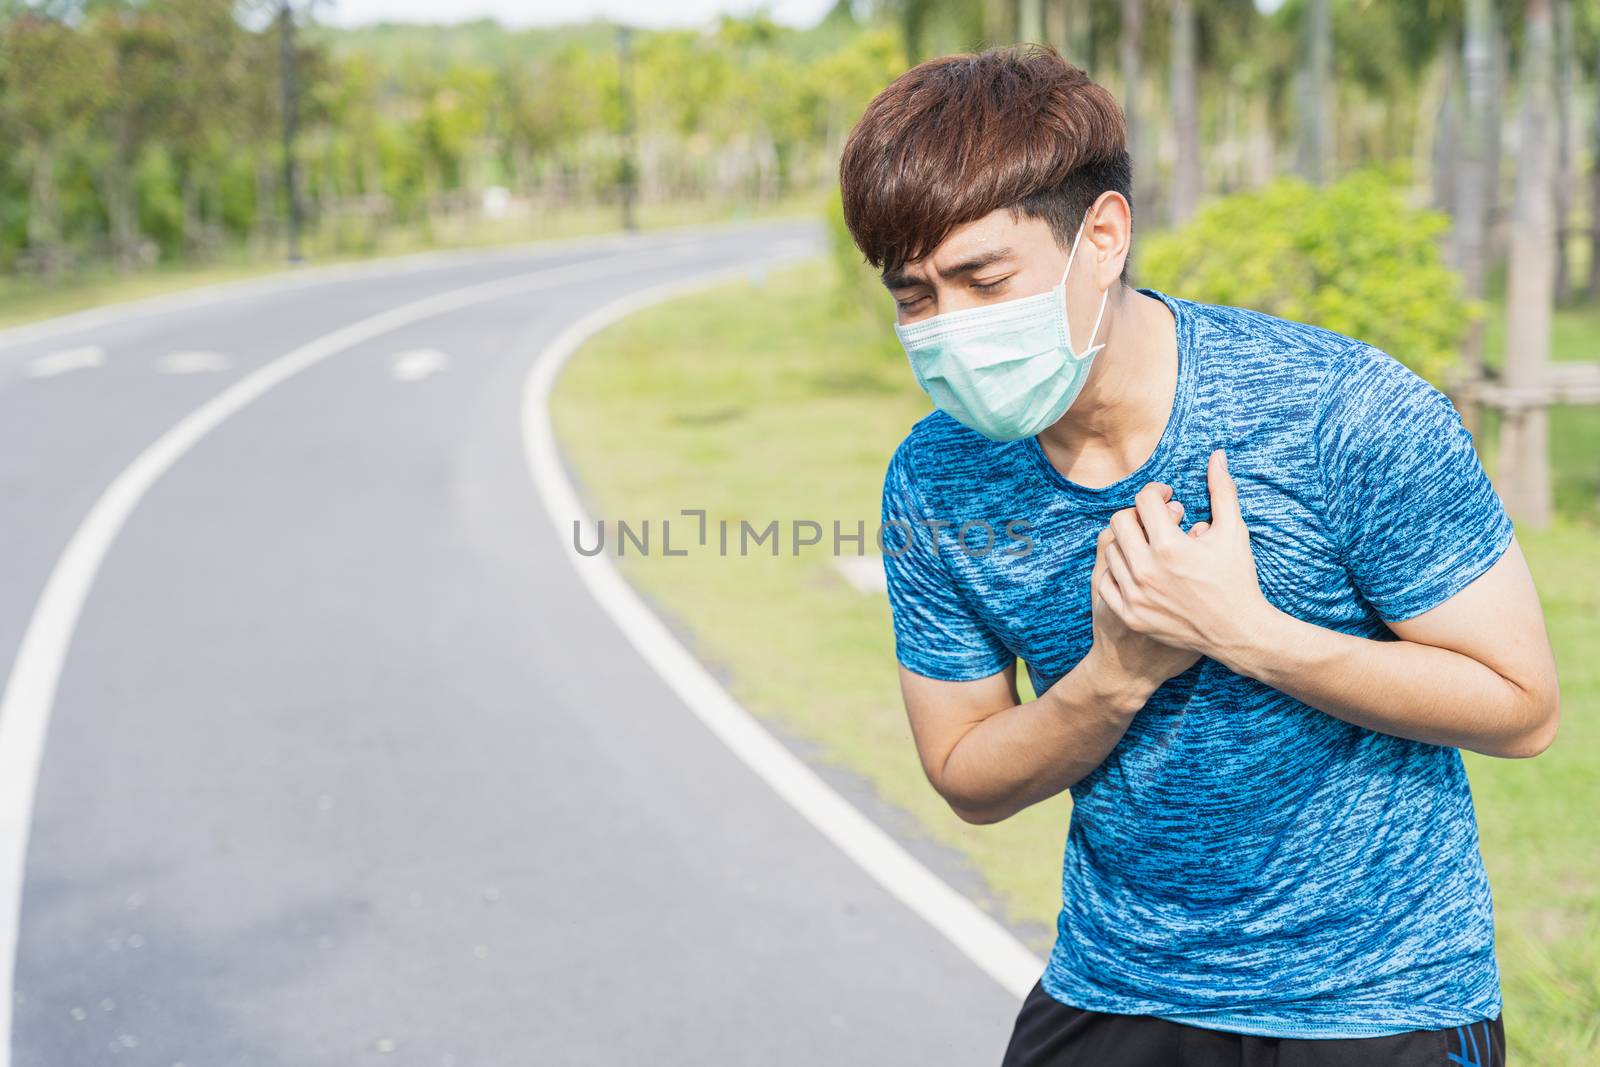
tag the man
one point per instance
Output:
(1263, 589)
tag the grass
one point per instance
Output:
(1574, 431)
(26, 299)
(771, 400)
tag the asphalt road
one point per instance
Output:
(345, 764)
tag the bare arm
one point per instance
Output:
(990, 755)
(1475, 671)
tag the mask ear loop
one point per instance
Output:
(1096, 331)
(1099, 316)
(1072, 254)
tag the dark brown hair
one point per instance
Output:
(955, 138)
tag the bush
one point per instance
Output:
(858, 291)
(1352, 257)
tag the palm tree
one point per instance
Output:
(1128, 45)
(1566, 170)
(1316, 146)
(1479, 168)
(1524, 432)
(1184, 93)
(1030, 20)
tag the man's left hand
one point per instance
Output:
(1195, 590)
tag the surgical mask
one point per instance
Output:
(1008, 369)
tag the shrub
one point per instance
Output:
(1351, 257)
(858, 291)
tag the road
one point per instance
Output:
(344, 763)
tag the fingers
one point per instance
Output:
(1224, 493)
(1101, 584)
(1199, 528)
(1110, 591)
(1120, 572)
(1130, 538)
(1159, 525)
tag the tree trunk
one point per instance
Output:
(1128, 60)
(1315, 148)
(1185, 94)
(44, 213)
(121, 212)
(1446, 162)
(1524, 474)
(1480, 151)
(189, 219)
(1594, 196)
(1080, 33)
(1030, 21)
(1263, 164)
(999, 23)
(1499, 89)
(1566, 178)
(1055, 26)
(266, 206)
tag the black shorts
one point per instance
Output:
(1049, 1033)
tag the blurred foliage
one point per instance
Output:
(858, 291)
(1352, 257)
(148, 130)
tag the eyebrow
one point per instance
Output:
(902, 280)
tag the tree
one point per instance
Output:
(1184, 93)
(1479, 169)
(1316, 142)
(1128, 59)
(47, 93)
(1030, 20)
(1566, 177)
(136, 82)
(1524, 473)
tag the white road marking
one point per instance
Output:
(417, 364)
(194, 362)
(29, 696)
(864, 573)
(64, 361)
(987, 943)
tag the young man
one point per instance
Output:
(1263, 589)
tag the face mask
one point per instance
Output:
(1008, 369)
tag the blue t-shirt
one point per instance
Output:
(1239, 861)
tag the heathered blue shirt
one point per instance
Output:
(1240, 860)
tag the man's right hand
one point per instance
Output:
(1127, 663)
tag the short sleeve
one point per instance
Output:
(1416, 516)
(937, 633)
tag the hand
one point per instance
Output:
(1132, 664)
(1197, 590)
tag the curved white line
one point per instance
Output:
(987, 943)
(30, 690)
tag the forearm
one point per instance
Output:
(1034, 750)
(1395, 687)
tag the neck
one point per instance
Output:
(1114, 424)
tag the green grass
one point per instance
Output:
(26, 299)
(1574, 431)
(773, 400)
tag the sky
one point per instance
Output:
(521, 13)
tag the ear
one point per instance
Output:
(1108, 229)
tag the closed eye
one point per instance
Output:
(911, 302)
(985, 287)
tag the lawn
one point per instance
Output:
(773, 400)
